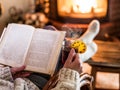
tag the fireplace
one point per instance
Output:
(79, 11)
(72, 13)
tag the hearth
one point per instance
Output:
(79, 11)
(103, 10)
(108, 14)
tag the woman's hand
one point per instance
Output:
(18, 72)
(73, 61)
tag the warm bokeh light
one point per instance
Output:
(82, 8)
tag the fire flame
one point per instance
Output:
(84, 6)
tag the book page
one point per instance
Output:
(14, 44)
(44, 50)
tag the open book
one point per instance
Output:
(36, 48)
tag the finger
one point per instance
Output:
(25, 74)
(70, 56)
(77, 63)
(76, 60)
(80, 70)
(22, 75)
(17, 69)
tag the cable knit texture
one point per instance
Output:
(68, 80)
(7, 83)
(5, 74)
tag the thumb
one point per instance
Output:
(22, 75)
(17, 69)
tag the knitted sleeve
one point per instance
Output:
(5, 74)
(68, 80)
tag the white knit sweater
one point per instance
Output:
(7, 82)
(68, 80)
